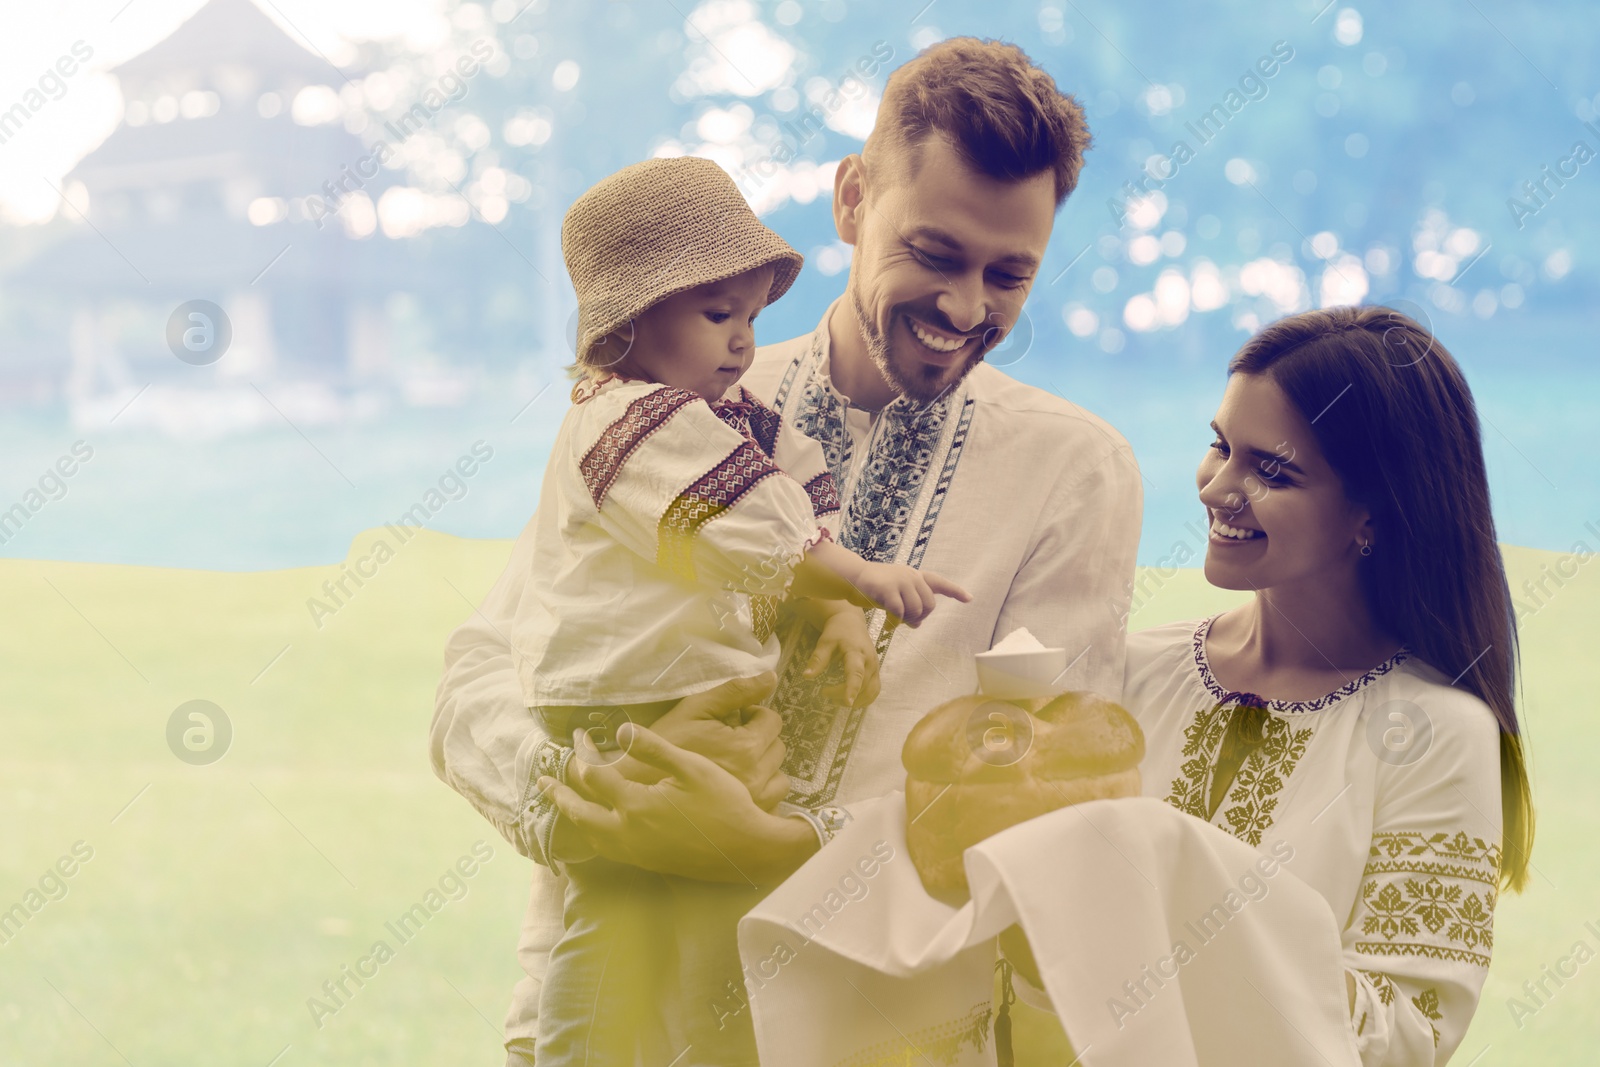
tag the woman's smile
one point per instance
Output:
(1224, 533)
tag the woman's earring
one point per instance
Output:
(1366, 548)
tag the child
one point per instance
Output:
(677, 512)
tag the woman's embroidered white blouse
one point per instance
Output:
(1388, 791)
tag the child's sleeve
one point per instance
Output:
(804, 461)
(675, 484)
(1419, 941)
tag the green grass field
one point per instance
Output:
(220, 898)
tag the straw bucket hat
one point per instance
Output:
(657, 228)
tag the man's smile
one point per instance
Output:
(935, 340)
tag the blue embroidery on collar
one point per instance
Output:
(888, 498)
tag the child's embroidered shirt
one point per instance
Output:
(666, 534)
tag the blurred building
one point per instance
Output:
(202, 193)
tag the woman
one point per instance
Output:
(1360, 707)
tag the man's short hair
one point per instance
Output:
(1003, 115)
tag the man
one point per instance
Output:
(1024, 499)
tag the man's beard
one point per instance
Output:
(911, 378)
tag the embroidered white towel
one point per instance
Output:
(1161, 940)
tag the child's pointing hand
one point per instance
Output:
(904, 592)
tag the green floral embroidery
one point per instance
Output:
(1383, 985)
(1457, 855)
(1252, 799)
(1254, 796)
(1427, 1003)
(1430, 895)
(1200, 740)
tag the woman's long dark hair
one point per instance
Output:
(1396, 421)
